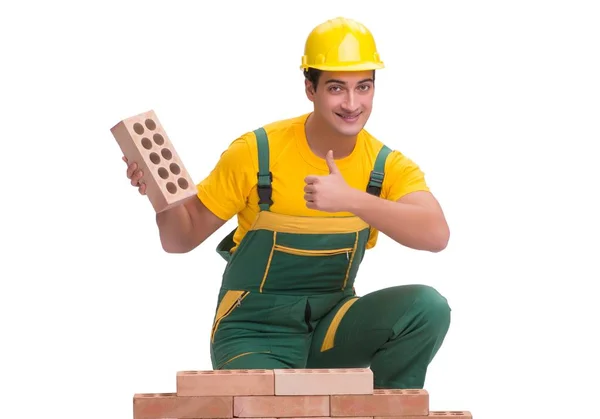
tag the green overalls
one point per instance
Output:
(290, 283)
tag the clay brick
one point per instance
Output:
(432, 414)
(169, 405)
(226, 383)
(323, 381)
(382, 403)
(143, 140)
(454, 414)
(280, 406)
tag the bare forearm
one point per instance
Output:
(175, 227)
(414, 226)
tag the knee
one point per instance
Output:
(433, 307)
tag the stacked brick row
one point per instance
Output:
(285, 394)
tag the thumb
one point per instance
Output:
(331, 163)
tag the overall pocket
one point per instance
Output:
(301, 269)
(230, 301)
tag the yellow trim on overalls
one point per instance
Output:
(351, 260)
(330, 335)
(241, 355)
(230, 301)
(262, 283)
(282, 223)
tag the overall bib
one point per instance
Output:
(286, 274)
(287, 298)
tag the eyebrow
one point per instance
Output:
(343, 82)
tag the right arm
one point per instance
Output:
(221, 195)
(184, 227)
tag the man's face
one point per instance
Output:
(343, 100)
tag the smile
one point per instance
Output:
(349, 118)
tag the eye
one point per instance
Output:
(334, 88)
(364, 87)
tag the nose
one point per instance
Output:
(350, 104)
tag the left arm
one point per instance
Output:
(408, 212)
(416, 220)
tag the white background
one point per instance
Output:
(497, 101)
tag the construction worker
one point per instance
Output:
(311, 194)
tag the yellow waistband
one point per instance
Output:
(267, 220)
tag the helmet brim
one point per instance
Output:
(345, 67)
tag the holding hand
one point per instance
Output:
(135, 174)
(328, 193)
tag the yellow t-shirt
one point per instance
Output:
(230, 188)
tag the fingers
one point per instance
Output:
(331, 163)
(136, 176)
(311, 179)
(310, 188)
(131, 169)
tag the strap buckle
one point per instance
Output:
(264, 189)
(375, 183)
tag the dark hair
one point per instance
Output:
(313, 75)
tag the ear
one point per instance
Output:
(310, 91)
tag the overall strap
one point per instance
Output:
(265, 177)
(377, 174)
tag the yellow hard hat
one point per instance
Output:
(341, 44)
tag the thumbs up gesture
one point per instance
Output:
(328, 193)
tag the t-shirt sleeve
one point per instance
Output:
(225, 190)
(402, 176)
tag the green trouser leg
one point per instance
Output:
(396, 331)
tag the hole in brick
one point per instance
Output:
(207, 372)
(146, 143)
(175, 169)
(457, 413)
(185, 372)
(150, 124)
(166, 153)
(158, 139)
(390, 391)
(243, 371)
(138, 128)
(154, 158)
(163, 173)
(321, 371)
(413, 392)
(289, 371)
(260, 371)
(171, 187)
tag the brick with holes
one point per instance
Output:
(281, 406)
(441, 414)
(299, 382)
(226, 383)
(170, 405)
(143, 140)
(382, 402)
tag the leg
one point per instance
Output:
(396, 331)
(259, 331)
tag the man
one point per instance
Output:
(311, 194)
